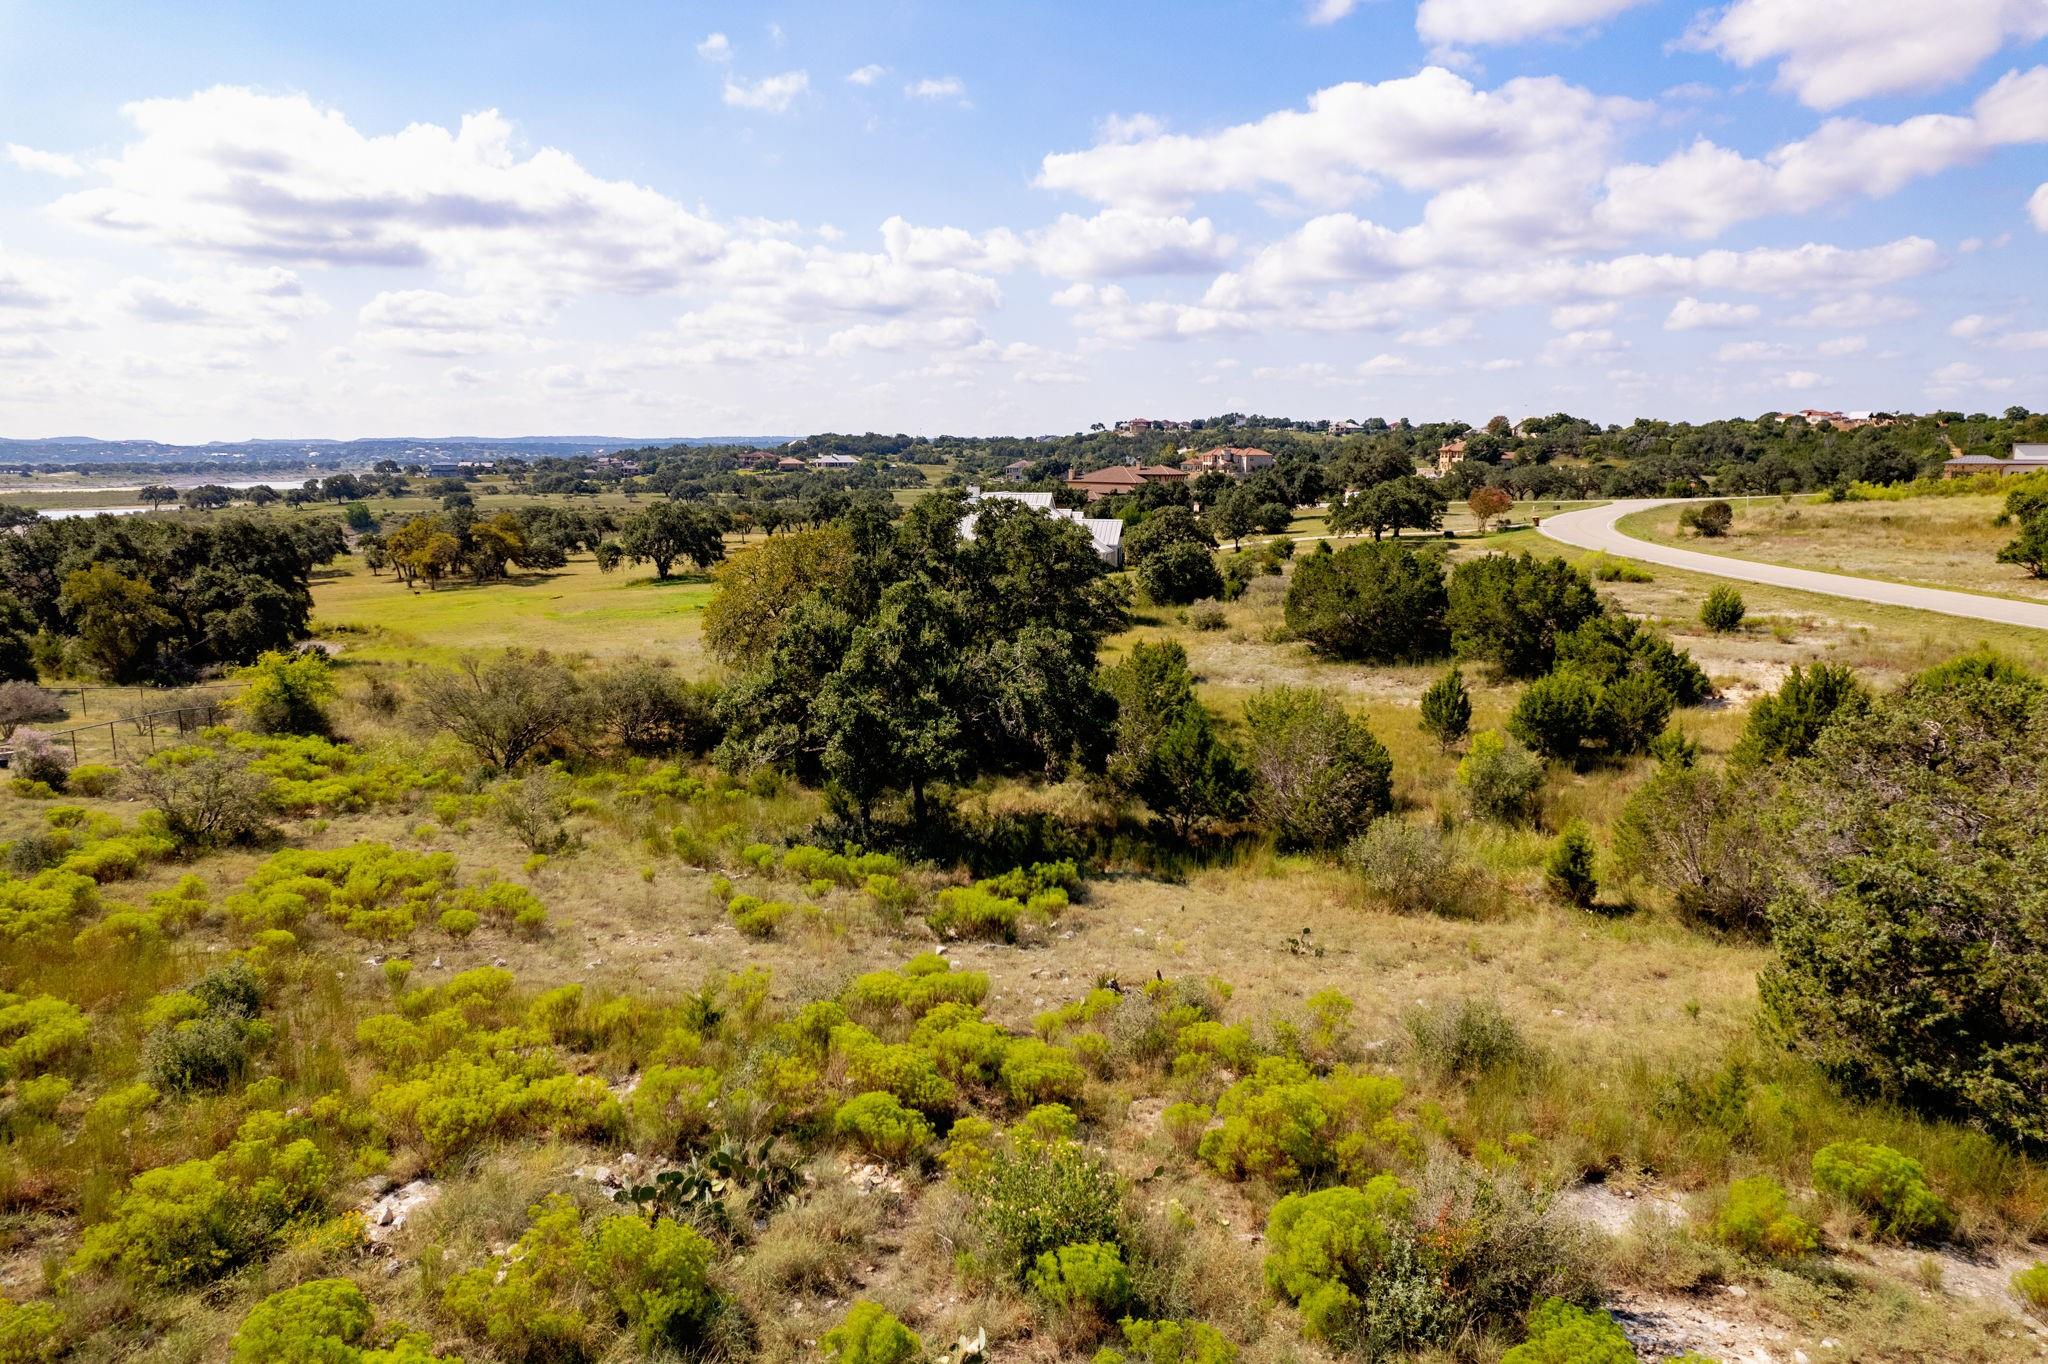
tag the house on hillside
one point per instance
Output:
(2026, 458)
(1447, 454)
(790, 464)
(1016, 469)
(1107, 533)
(1123, 478)
(1236, 460)
(835, 462)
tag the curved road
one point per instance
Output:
(1594, 528)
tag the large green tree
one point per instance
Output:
(666, 532)
(1911, 927)
(928, 657)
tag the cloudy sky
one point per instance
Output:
(220, 221)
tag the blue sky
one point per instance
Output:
(220, 221)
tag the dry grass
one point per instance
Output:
(1931, 541)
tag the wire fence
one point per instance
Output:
(137, 731)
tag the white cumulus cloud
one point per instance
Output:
(937, 87)
(1451, 22)
(1690, 314)
(1833, 52)
(773, 94)
(45, 163)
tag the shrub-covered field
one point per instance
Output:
(932, 964)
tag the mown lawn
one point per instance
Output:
(575, 609)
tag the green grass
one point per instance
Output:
(574, 609)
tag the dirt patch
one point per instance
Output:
(1614, 1210)
(1726, 1327)
(1983, 1278)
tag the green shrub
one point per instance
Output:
(458, 923)
(1410, 865)
(1907, 926)
(29, 1332)
(1170, 1342)
(1611, 648)
(1178, 574)
(1047, 1123)
(1290, 1127)
(1035, 1072)
(871, 1334)
(1318, 772)
(656, 1276)
(1447, 710)
(1503, 781)
(1327, 1252)
(923, 983)
(316, 1321)
(1086, 1278)
(187, 1224)
(1568, 871)
(449, 1083)
(1466, 1038)
(1694, 831)
(971, 912)
(36, 1032)
(1560, 1333)
(1509, 610)
(1723, 609)
(1789, 722)
(1710, 519)
(2030, 1286)
(1184, 1124)
(883, 1127)
(205, 797)
(560, 1293)
(908, 1072)
(1606, 568)
(1756, 1218)
(1041, 1196)
(672, 1106)
(210, 1052)
(1887, 1186)
(287, 693)
(1370, 603)
(758, 918)
(93, 779)
(1561, 715)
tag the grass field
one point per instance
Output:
(1624, 1006)
(1928, 541)
(574, 609)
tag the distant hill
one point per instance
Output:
(326, 452)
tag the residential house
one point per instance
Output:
(789, 464)
(1016, 469)
(1123, 478)
(1106, 532)
(1447, 454)
(1236, 460)
(835, 462)
(2026, 458)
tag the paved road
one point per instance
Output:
(1594, 528)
